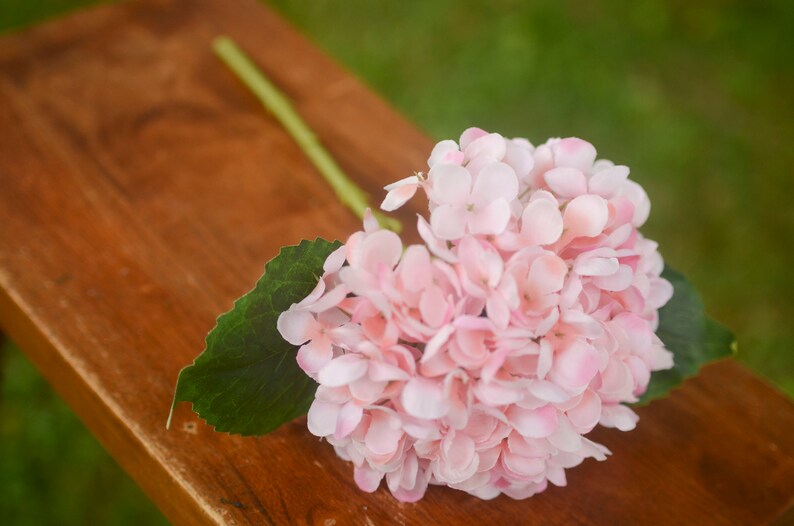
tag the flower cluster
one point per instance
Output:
(481, 358)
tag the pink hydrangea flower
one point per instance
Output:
(481, 359)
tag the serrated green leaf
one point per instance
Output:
(247, 381)
(692, 337)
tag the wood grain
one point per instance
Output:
(141, 191)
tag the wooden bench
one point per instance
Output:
(142, 189)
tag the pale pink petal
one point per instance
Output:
(616, 380)
(342, 370)
(556, 475)
(313, 296)
(423, 430)
(415, 271)
(405, 477)
(408, 181)
(584, 324)
(508, 288)
(329, 300)
(523, 466)
(620, 280)
(459, 459)
(546, 275)
(448, 222)
(322, 418)
(642, 205)
(335, 260)
(498, 310)
(619, 416)
(538, 195)
(492, 146)
(451, 184)
(491, 220)
(584, 416)
(495, 394)
(383, 247)
(348, 419)
(384, 433)
(424, 398)
(315, 355)
(533, 423)
(576, 365)
(474, 323)
(366, 390)
(586, 215)
(367, 479)
(594, 450)
(548, 322)
(548, 391)
(545, 358)
(470, 135)
(435, 344)
(370, 222)
(433, 307)
(440, 151)
(495, 181)
(541, 222)
(399, 193)
(385, 372)
(596, 266)
(606, 183)
(565, 437)
(360, 282)
(415, 493)
(519, 157)
(297, 326)
(661, 358)
(575, 153)
(566, 182)
(435, 245)
(619, 235)
(660, 293)
(487, 492)
(493, 363)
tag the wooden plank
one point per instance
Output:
(141, 191)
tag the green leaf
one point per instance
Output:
(247, 381)
(692, 337)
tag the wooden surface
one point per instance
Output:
(141, 191)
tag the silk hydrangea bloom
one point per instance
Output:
(481, 358)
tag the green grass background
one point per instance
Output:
(695, 96)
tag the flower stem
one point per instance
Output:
(348, 192)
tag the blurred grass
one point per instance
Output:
(52, 470)
(695, 96)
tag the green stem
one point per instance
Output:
(348, 192)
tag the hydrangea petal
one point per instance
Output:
(424, 398)
(491, 220)
(541, 222)
(343, 370)
(440, 152)
(533, 423)
(575, 153)
(566, 182)
(399, 193)
(586, 215)
(448, 222)
(451, 184)
(495, 181)
(297, 326)
(322, 418)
